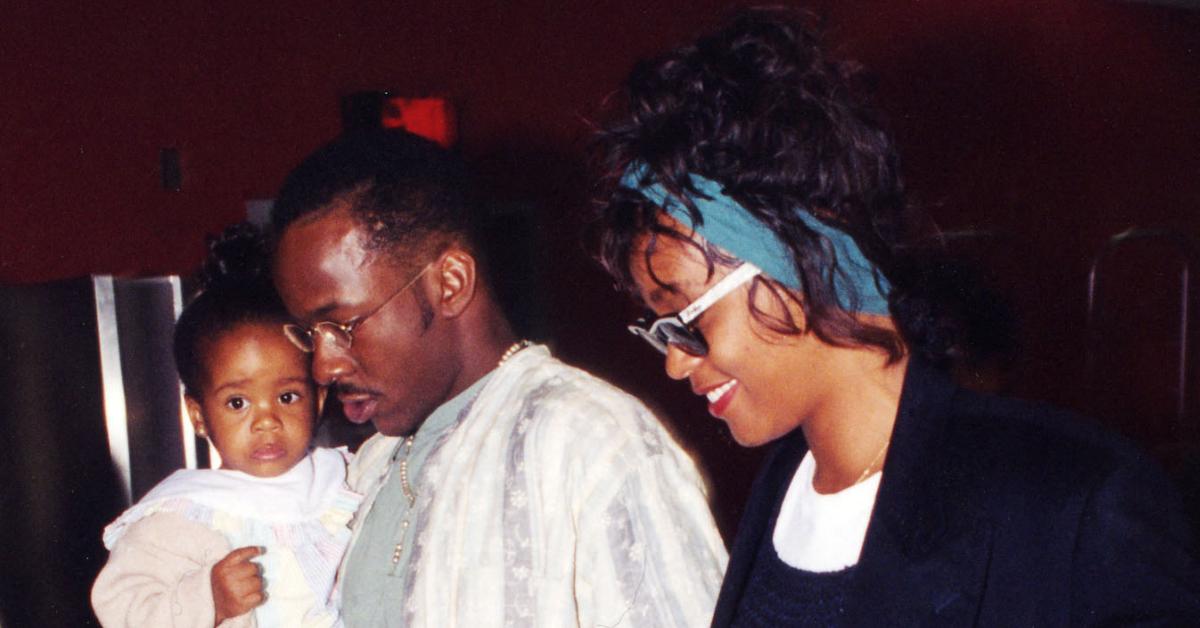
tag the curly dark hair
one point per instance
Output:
(407, 192)
(233, 288)
(761, 108)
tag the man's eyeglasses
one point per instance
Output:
(677, 329)
(342, 334)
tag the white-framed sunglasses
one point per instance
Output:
(677, 329)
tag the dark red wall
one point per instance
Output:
(1056, 123)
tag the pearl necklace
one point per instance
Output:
(512, 350)
(409, 493)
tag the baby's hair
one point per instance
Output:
(233, 288)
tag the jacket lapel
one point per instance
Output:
(768, 488)
(925, 554)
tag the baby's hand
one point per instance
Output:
(237, 583)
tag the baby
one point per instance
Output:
(258, 541)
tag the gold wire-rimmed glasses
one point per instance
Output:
(341, 334)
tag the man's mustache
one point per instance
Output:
(349, 389)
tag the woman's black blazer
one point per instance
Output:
(997, 512)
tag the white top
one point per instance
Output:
(823, 533)
(557, 500)
(302, 493)
(301, 517)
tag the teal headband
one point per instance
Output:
(729, 225)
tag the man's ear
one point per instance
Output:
(456, 273)
(196, 414)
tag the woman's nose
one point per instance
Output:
(680, 363)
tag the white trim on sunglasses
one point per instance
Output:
(728, 283)
(683, 319)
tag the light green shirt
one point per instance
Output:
(378, 563)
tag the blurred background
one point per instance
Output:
(1054, 142)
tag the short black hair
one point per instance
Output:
(406, 191)
(234, 289)
(764, 110)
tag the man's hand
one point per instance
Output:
(237, 583)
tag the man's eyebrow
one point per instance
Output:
(322, 313)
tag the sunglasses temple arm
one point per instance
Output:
(729, 283)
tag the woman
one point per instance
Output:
(757, 210)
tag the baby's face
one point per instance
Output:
(259, 401)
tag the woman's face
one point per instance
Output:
(762, 383)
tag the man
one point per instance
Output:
(504, 487)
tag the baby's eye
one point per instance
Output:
(236, 403)
(289, 397)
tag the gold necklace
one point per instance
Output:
(866, 472)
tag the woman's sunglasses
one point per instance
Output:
(677, 329)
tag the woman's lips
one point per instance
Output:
(358, 409)
(720, 397)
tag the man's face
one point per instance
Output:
(396, 371)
